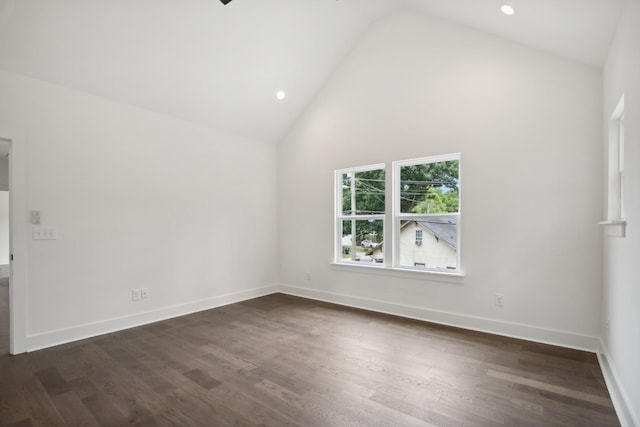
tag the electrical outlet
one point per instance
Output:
(40, 233)
(144, 293)
(499, 300)
(135, 294)
(307, 276)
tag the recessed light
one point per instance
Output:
(281, 95)
(507, 9)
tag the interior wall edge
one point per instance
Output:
(491, 326)
(619, 397)
(19, 235)
(62, 336)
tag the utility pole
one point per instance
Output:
(353, 221)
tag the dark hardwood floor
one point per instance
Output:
(285, 361)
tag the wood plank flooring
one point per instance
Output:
(286, 361)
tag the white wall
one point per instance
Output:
(621, 268)
(528, 127)
(4, 227)
(139, 200)
(4, 171)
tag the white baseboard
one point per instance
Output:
(62, 336)
(513, 330)
(621, 402)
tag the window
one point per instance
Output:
(360, 202)
(426, 205)
(615, 210)
(621, 164)
(420, 223)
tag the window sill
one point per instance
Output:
(407, 273)
(616, 228)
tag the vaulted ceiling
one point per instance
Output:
(221, 66)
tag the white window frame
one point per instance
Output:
(616, 222)
(398, 216)
(339, 214)
(391, 224)
(615, 211)
(621, 165)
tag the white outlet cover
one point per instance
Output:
(42, 233)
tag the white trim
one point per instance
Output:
(18, 238)
(75, 333)
(616, 222)
(405, 273)
(481, 324)
(428, 159)
(415, 216)
(621, 401)
(360, 168)
(363, 217)
(615, 228)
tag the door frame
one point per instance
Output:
(18, 239)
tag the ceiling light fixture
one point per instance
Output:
(281, 95)
(507, 9)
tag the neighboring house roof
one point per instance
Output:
(443, 227)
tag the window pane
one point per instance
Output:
(346, 193)
(369, 192)
(366, 246)
(365, 189)
(429, 242)
(429, 188)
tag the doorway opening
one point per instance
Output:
(4, 249)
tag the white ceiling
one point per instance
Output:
(221, 66)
